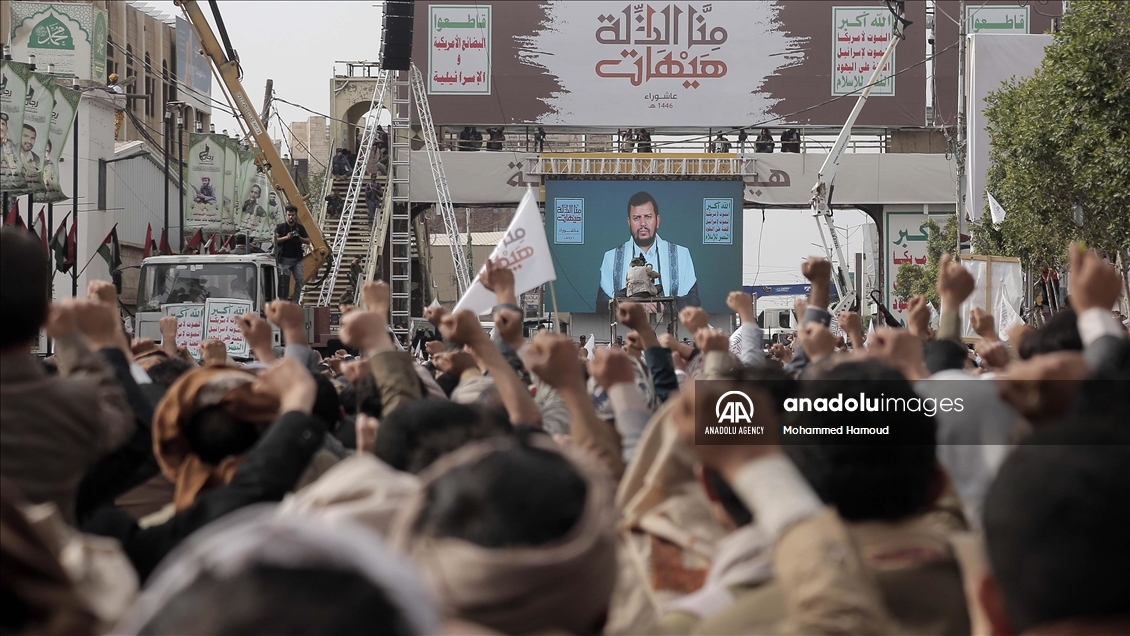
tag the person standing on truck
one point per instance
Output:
(290, 236)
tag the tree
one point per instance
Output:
(912, 280)
(1060, 144)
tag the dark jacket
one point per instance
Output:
(270, 470)
(52, 429)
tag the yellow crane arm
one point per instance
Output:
(267, 157)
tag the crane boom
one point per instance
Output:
(821, 192)
(267, 158)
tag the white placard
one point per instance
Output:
(190, 325)
(219, 323)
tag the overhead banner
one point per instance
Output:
(70, 35)
(616, 63)
(688, 231)
(203, 205)
(13, 91)
(778, 179)
(62, 122)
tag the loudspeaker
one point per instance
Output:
(400, 8)
(396, 36)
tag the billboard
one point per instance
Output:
(984, 16)
(193, 69)
(71, 36)
(689, 231)
(617, 63)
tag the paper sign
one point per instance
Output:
(219, 323)
(190, 325)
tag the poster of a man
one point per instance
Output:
(205, 193)
(672, 262)
(50, 172)
(252, 207)
(29, 161)
(9, 155)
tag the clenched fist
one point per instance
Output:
(463, 328)
(553, 358)
(610, 368)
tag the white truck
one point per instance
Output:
(196, 278)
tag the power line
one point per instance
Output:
(814, 106)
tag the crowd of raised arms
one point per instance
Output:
(505, 485)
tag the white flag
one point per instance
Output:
(590, 346)
(995, 208)
(524, 250)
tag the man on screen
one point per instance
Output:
(672, 262)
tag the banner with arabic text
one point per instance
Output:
(650, 63)
(62, 122)
(35, 135)
(13, 91)
(203, 194)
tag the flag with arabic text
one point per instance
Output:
(524, 250)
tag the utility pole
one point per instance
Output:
(959, 153)
(266, 116)
(168, 139)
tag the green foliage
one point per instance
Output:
(912, 280)
(1061, 137)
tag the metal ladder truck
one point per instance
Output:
(822, 191)
(396, 223)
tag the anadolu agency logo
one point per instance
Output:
(733, 414)
(734, 407)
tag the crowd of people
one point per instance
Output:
(499, 484)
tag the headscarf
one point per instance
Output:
(257, 535)
(200, 388)
(565, 585)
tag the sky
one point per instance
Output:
(296, 43)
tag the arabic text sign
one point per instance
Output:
(569, 221)
(997, 19)
(861, 36)
(219, 323)
(190, 325)
(717, 221)
(649, 42)
(459, 50)
(906, 238)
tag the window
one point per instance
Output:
(194, 283)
